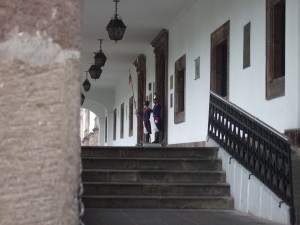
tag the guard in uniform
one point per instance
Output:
(157, 118)
(146, 120)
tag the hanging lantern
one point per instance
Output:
(86, 84)
(95, 72)
(116, 28)
(82, 98)
(100, 57)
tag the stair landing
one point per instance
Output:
(170, 217)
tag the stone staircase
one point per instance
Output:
(140, 177)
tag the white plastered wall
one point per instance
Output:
(190, 34)
(251, 195)
(123, 92)
(292, 98)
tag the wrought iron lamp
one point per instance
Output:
(86, 84)
(82, 98)
(95, 72)
(116, 28)
(100, 57)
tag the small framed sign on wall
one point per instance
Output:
(197, 68)
(171, 82)
(246, 47)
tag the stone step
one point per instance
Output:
(108, 175)
(166, 202)
(145, 152)
(158, 189)
(144, 177)
(151, 164)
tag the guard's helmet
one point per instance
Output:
(155, 97)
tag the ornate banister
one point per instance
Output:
(265, 152)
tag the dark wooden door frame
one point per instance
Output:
(140, 65)
(217, 37)
(161, 51)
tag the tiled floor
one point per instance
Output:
(169, 217)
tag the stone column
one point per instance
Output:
(110, 127)
(96, 130)
(102, 132)
(39, 111)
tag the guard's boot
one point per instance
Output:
(156, 137)
(147, 138)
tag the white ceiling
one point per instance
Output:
(143, 18)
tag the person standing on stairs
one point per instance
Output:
(146, 120)
(157, 117)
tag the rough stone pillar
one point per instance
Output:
(39, 111)
(298, 94)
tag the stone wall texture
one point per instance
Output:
(39, 111)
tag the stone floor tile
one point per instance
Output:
(170, 217)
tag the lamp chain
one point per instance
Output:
(116, 8)
(100, 43)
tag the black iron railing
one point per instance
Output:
(265, 152)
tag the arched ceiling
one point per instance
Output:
(143, 18)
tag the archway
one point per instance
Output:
(100, 111)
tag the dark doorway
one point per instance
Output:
(221, 70)
(219, 83)
(160, 44)
(275, 48)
